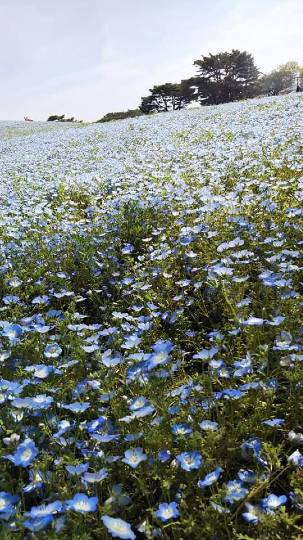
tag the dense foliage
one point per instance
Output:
(282, 78)
(151, 326)
(226, 77)
(222, 77)
(120, 115)
(168, 97)
(61, 118)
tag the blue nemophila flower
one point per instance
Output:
(296, 458)
(253, 321)
(41, 328)
(111, 359)
(118, 496)
(127, 249)
(63, 426)
(62, 293)
(164, 455)
(90, 348)
(250, 515)
(189, 461)
(97, 424)
(210, 478)
(11, 299)
(235, 491)
(25, 454)
(167, 511)
(272, 422)
(276, 321)
(11, 388)
(251, 449)
(160, 354)
(143, 411)
(206, 354)
(37, 403)
(36, 481)
(243, 367)
(45, 510)
(4, 355)
(6, 504)
(137, 403)
(134, 456)
(231, 393)
(181, 429)
(247, 476)
(219, 270)
(41, 371)
(272, 502)
(76, 470)
(76, 407)
(231, 244)
(82, 503)
(38, 524)
(105, 437)
(224, 372)
(131, 341)
(208, 425)
(118, 528)
(12, 331)
(52, 350)
(244, 302)
(43, 299)
(14, 282)
(131, 437)
(174, 409)
(93, 478)
(284, 342)
(163, 346)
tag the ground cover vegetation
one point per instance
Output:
(151, 326)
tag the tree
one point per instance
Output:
(226, 76)
(147, 105)
(281, 78)
(167, 97)
(120, 115)
(56, 118)
(61, 118)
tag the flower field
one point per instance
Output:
(151, 326)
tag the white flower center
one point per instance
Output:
(2, 503)
(26, 454)
(39, 399)
(159, 357)
(119, 528)
(82, 505)
(139, 403)
(134, 459)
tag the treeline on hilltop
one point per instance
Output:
(61, 118)
(220, 78)
(120, 115)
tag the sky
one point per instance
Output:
(84, 58)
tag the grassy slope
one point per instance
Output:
(210, 201)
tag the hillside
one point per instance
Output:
(151, 329)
